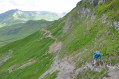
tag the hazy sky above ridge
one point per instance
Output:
(58, 6)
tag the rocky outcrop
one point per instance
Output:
(116, 25)
(102, 2)
(68, 23)
(83, 12)
(95, 2)
(92, 2)
(113, 72)
(79, 3)
(5, 57)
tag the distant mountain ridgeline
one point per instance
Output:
(17, 16)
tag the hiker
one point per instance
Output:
(96, 55)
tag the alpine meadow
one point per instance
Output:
(64, 48)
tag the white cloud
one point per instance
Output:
(38, 5)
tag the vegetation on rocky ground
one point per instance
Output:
(84, 30)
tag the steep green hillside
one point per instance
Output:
(68, 44)
(17, 31)
(88, 28)
(28, 58)
(17, 16)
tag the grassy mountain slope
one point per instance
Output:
(29, 59)
(17, 31)
(85, 29)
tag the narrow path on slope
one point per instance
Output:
(65, 66)
(47, 34)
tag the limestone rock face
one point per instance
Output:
(93, 2)
(116, 25)
(79, 3)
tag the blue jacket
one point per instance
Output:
(97, 56)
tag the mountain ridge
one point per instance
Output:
(18, 16)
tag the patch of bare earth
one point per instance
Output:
(113, 72)
(5, 57)
(65, 66)
(85, 66)
(12, 68)
(55, 47)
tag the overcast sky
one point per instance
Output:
(58, 6)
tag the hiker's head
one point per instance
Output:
(98, 52)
